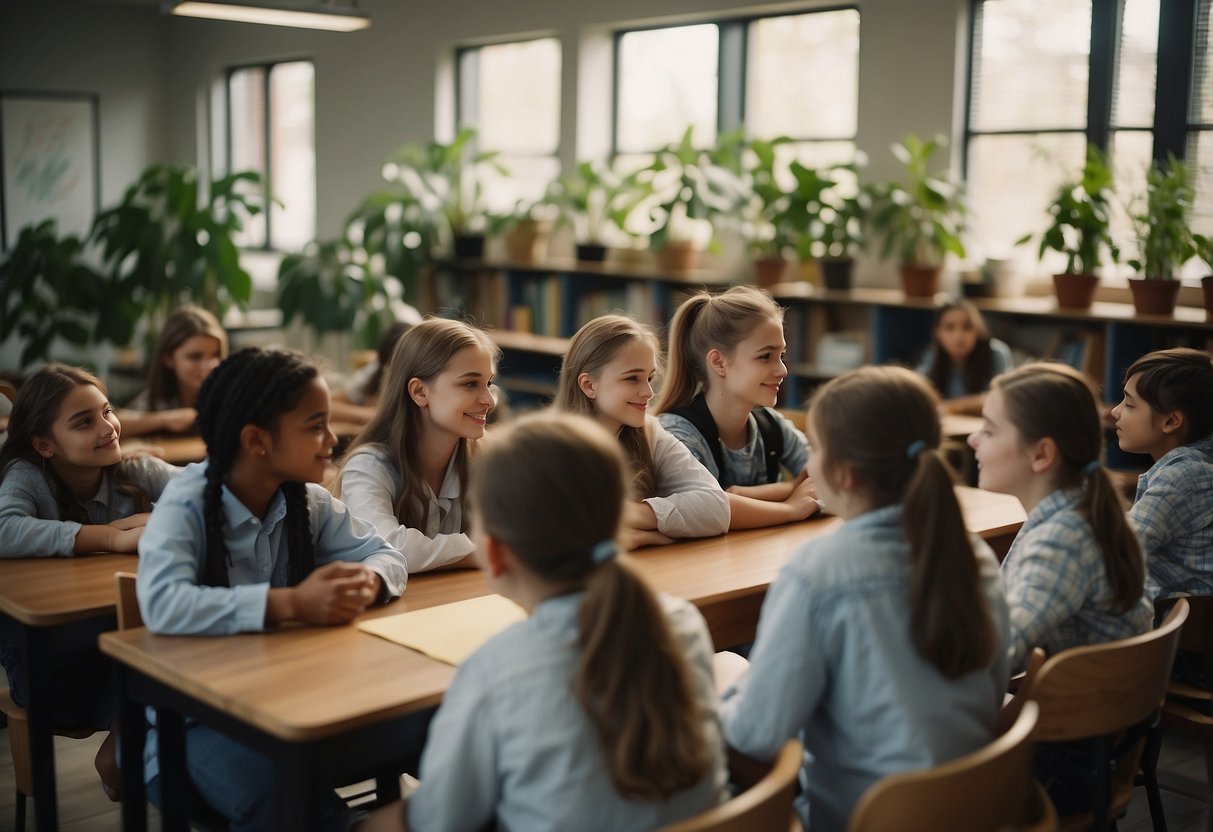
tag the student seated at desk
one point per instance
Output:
(357, 401)
(191, 344)
(596, 713)
(65, 489)
(722, 382)
(608, 374)
(882, 645)
(407, 472)
(247, 540)
(1167, 412)
(963, 358)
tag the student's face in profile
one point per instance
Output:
(1138, 426)
(956, 334)
(193, 361)
(1003, 463)
(301, 447)
(623, 387)
(457, 401)
(754, 370)
(85, 431)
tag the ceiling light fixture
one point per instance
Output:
(323, 15)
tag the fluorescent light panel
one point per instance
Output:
(332, 18)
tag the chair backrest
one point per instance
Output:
(765, 805)
(1092, 691)
(128, 602)
(1197, 636)
(990, 789)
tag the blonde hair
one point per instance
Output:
(594, 346)
(185, 323)
(551, 486)
(422, 352)
(882, 423)
(705, 322)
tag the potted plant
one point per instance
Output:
(528, 230)
(1164, 238)
(1081, 213)
(920, 219)
(825, 224)
(447, 180)
(763, 201)
(1204, 250)
(692, 187)
(593, 200)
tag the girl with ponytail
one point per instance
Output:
(1074, 574)
(726, 363)
(597, 712)
(883, 645)
(247, 539)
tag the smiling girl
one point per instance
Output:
(407, 472)
(608, 374)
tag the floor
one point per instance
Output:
(84, 808)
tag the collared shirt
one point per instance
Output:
(1002, 362)
(512, 743)
(30, 524)
(370, 484)
(1057, 586)
(835, 663)
(690, 502)
(746, 465)
(1173, 513)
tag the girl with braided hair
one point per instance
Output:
(246, 540)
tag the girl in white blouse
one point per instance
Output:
(406, 473)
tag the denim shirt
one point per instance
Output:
(1173, 513)
(511, 743)
(835, 663)
(746, 465)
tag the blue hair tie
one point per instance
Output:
(1091, 468)
(915, 448)
(603, 551)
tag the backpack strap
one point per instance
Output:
(696, 412)
(772, 440)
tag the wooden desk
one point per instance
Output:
(958, 426)
(48, 604)
(331, 704)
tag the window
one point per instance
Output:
(271, 130)
(510, 92)
(1198, 137)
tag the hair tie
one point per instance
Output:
(603, 551)
(1091, 468)
(915, 448)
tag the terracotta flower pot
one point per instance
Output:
(1075, 291)
(677, 256)
(769, 270)
(527, 241)
(920, 281)
(1154, 297)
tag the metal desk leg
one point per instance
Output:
(174, 777)
(298, 805)
(35, 644)
(132, 725)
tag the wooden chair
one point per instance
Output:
(1188, 708)
(1108, 694)
(764, 804)
(990, 789)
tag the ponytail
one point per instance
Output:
(1122, 555)
(684, 375)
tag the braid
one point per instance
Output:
(252, 386)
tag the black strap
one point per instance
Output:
(696, 412)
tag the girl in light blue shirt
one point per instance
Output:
(596, 713)
(247, 540)
(883, 645)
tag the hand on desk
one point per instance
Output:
(637, 538)
(120, 536)
(335, 593)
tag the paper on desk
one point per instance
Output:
(450, 632)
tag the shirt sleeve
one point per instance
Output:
(368, 487)
(1046, 581)
(355, 386)
(795, 443)
(1002, 360)
(776, 697)
(459, 777)
(22, 533)
(152, 474)
(342, 536)
(691, 502)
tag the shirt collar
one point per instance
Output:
(883, 516)
(559, 611)
(1059, 500)
(450, 488)
(236, 513)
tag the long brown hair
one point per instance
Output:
(705, 322)
(551, 486)
(422, 352)
(1056, 401)
(186, 322)
(33, 416)
(978, 367)
(1178, 379)
(882, 423)
(593, 346)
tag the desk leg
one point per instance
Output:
(174, 779)
(298, 803)
(35, 644)
(132, 724)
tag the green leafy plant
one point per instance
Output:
(1204, 250)
(1161, 221)
(821, 219)
(1081, 213)
(762, 199)
(595, 198)
(690, 184)
(920, 219)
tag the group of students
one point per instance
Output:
(885, 645)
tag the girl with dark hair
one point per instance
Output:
(247, 540)
(1167, 412)
(596, 713)
(883, 645)
(963, 358)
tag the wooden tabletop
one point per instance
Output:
(959, 426)
(306, 683)
(47, 592)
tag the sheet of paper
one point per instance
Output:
(450, 632)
